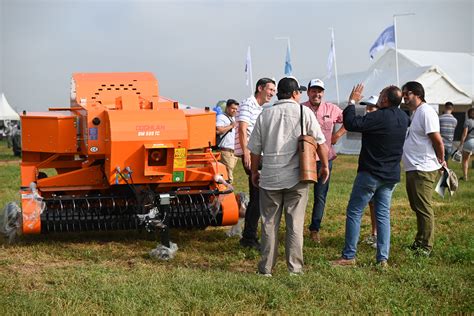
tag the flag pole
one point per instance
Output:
(251, 75)
(335, 63)
(248, 69)
(396, 42)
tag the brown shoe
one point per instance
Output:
(383, 264)
(315, 237)
(341, 262)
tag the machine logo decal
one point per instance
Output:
(94, 149)
(149, 130)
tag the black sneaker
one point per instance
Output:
(423, 252)
(250, 243)
(414, 246)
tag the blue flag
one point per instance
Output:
(387, 38)
(288, 67)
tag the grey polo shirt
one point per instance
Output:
(275, 136)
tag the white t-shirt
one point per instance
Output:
(229, 139)
(418, 151)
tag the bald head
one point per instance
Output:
(390, 96)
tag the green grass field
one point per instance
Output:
(112, 273)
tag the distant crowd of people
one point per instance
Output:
(12, 133)
(266, 141)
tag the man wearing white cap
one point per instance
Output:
(327, 115)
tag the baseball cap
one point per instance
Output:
(289, 85)
(371, 101)
(316, 83)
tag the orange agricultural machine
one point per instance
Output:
(121, 157)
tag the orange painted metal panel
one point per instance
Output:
(49, 132)
(199, 123)
(90, 177)
(88, 88)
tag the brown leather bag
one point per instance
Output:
(307, 152)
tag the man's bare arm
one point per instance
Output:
(437, 145)
(243, 144)
(322, 152)
(255, 163)
(337, 135)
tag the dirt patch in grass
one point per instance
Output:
(9, 162)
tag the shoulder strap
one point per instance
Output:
(230, 118)
(301, 118)
(222, 137)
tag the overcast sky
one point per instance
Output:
(197, 49)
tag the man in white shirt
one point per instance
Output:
(247, 114)
(423, 156)
(274, 144)
(225, 128)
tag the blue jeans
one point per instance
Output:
(320, 193)
(366, 187)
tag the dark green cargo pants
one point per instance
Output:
(420, 187)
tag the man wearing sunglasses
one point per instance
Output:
(423, 156)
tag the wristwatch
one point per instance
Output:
(353, 102)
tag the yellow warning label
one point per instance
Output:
(179, 163)
(180, 153)
(179, 158)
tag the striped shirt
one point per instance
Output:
(447, 125)
(248, 112)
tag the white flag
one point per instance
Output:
(332, 53)
(387, 38)
(248, 68)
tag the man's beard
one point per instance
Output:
(315, 103)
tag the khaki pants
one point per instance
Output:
(272, 204)
(229, 161)
(420, 186)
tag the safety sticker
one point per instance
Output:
(179, 161)
(180, 153)
(178, 176)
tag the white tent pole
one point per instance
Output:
(335, 65)
(396, 42)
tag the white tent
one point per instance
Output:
(440, 86)
(6, 111)
(459, 66)
(428, 68)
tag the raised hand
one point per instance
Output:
(356, 93)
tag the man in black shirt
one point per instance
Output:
(383, 135)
